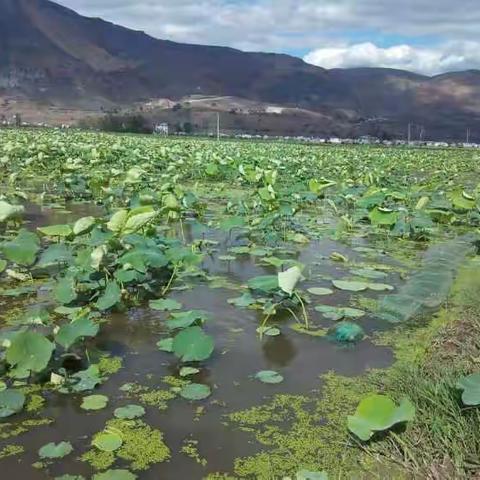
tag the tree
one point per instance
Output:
(188, 128)
(125, 123)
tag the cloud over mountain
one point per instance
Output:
(453, 56)
(428, 36)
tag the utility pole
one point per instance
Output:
(468, 135)
(409, 133)
(218, 126)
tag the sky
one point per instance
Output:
(424, 36)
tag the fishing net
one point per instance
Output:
(346, 332)
(429, 287)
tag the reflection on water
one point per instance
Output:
(39, 216)
(279, 351)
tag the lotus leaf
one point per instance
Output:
(195, 391)
(94, 402)
(11, 402)
(470, 386)
(377, 413)
(52, 450)
(269, 376)
(29, 352)
(192, 345)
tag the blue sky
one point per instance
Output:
(426, 36)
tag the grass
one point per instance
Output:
(443, 441)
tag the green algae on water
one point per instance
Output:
(35, 403)
(9, 430)
(142, 447)
(108, 365)
(190, 448)
(157, 398)
(97, 459)
(303, 432)
(11, 450)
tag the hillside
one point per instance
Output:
(53, 60)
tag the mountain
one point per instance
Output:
(53, 61)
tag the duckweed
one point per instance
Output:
(157, 398)
(35, 403)
(142, 447)
(109, 365)
(190, 448)
(9, 430)
(11, 450)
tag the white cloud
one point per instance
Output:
(430, 61)
(290, 25)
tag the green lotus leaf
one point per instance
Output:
(186, 319)
(320, 291)
(164, 305)
(86, 379)
(470, 386)
(29, 352)
(165, 345)
(52, 450)
(11, 402)
(350, 286)
(269, 331)
(56, 230)
(192, 345)
(64, 291)
(380, 287)
(23, 249)
(71, 332)
(115, 474)
(129, 412)
(246, 300)
(108, 441)
(269, 376)
(187, 371)
(383, 217)
(195, 391)
(117, 221)
(461, 200)
(111, 296)
(377, 413)
(83, 225)
(94, 402)
(265, 283)
(54, 255)
(138, 218)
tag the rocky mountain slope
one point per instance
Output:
(52, 59)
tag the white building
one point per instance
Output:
(161, 129)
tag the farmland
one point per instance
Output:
(231, 310)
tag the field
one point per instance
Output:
(188, 309)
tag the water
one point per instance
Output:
(239, 354)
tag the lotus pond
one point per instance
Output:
(188, 309)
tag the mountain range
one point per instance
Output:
(56, 64)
